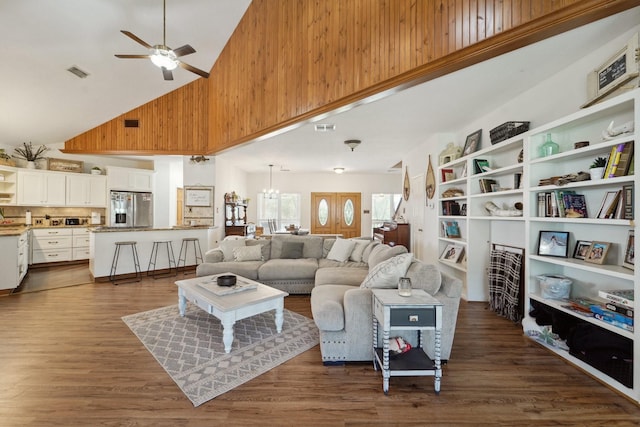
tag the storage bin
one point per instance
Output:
(507, 130)
(554, 287)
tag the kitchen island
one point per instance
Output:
(102, 247)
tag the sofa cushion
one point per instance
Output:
(367, 251)
(327, 307)
(328, 263)
(424, 276)
(292, 250)
(248, 269)
(340, 276)
(327, 244)
(384, 252)
(214, 255)
(288, 269)
(247, 253)
(265, 246)
(312, 245)
(341, 250)
(228, 245)
(387, 273)
(358, 249)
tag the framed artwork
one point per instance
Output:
(447, 174)
(198, 196)
(553, 243)
(597, 252)
(629, 253)
(582, 247)
(452, 253)
(406, 187)
(472, 143)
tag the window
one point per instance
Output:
(284, 209)
(383, 207)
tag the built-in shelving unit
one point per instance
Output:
(8, 185)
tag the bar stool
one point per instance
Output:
(136, 263)
(197, 252)
(154, 258)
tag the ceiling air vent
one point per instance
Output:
(78, 72)
(131, 123)
(325, 127)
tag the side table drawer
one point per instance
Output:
(413, 316)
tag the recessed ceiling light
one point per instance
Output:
(325, 127)
(78, 72)
(338, 170)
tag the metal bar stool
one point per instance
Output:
(154, 258)
(136, 263)
(197, 252)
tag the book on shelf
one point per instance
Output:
(611, 159)
(450, 208)
(517, 180)
(575, 206)
(451, 229)
(486, 185)
(613, 318)
(481, 165)
(620, 296)
(618, 308)
(555, 203)
(627, 201)
(609, 205)
(621, 161)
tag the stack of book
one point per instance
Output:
(562, 204)
(486, 185)
(620, 160)
(450, 207)
(616, 307)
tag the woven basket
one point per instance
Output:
(507, 130)
(7, 162)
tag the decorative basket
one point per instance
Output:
(507, 130)
(7, 162)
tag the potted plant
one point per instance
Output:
(597, 168)
(96, 170)
(26, 152)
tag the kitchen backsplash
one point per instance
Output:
(56, 216)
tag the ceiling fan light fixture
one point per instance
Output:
(352, 143)
(163, 57)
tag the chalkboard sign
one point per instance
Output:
(614, 71)
(198, 196)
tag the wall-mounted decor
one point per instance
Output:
(431, 181)
(198, 196)
(406, 187)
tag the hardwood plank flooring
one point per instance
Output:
(67, 359)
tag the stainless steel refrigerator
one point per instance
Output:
(131, 209)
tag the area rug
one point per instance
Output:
(190, 348)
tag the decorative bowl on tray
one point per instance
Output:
(226, 280)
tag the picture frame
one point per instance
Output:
(597, 252)
(581, 249)
(452, 253)
(472, 143)
(198, 196)
(447, 174)
(481, 165)
(553, 243)
(629, 253)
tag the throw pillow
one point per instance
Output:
(292, 250)
(358, 250)
(341, 250)
(247, 253)
(386, 274)
(368, 249)
(384, 252)
(227, 247)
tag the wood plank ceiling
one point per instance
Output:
(286, 64)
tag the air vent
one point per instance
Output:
(131, 123)
(78, 72)
(325, 127)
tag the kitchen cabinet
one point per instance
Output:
(41, 188)
(51, 245)
(8, 185)
(86, 190)
(80, 243)
(129, 179)
(15, 261)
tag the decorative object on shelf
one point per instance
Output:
(582, 248)
(404, 287)
(521, 156)
(452, 192)
(5, 159)
(549, 147)
(481, 165)
(450, 153)
(96, 170)
(430, 181)
(65, 165)
(597, 252)
(507, 130)
(198, 159)
(352, 143)
(596, 170)
(619, 69)
(271, 193)
(406, 186)
(554, 286)
(452, 253)
(580, 144)
(451, 229)
(629, 253)
(553, 243)
(611, 132)
(494, 210)
(27, 152)
(472, 143)
(447, 174)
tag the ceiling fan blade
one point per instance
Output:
(184, 50)
(132, 56)
(136, 38)
(168, 75)
(193, 69)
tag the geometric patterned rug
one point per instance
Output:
(190, 348)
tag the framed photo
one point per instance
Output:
(553, 243)
(597, 252)
(447, 174)
(629, 253)
(472, 143)
(582, 248)
(452, 253)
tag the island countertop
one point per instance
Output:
(105, 229)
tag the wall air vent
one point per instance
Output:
(131, 123)
(78, 72)
(325, 127)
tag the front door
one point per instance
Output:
(335, 213)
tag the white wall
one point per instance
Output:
(228, 178)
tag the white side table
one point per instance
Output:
(418, 312)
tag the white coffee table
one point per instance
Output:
(233, 307)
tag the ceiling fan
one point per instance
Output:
(162, 55)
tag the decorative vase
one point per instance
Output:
(596, 173)
(549, 147)
(31, 164)
(404, 287)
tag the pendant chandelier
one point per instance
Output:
(271, 193)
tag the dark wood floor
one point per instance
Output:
(67, 359)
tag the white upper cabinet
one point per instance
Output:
(129, 179)
(41, 188)
(86, 190)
